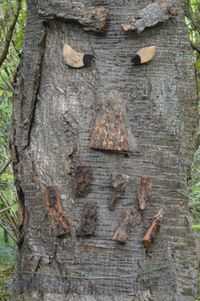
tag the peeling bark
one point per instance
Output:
(157, 12)
(92, 18)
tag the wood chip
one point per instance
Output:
(154, 228)
(145, 191)
(56, 211)
(124, 227)
(119, 183)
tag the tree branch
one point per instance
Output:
(10, 33)
(3, 168)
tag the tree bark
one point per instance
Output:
(55, 111)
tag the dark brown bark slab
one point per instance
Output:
(83, 178)
(88, 219)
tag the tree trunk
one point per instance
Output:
(81, 232)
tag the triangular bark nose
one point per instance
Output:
(111, 130)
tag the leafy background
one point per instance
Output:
(12, 26)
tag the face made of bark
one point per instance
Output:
(112, 107)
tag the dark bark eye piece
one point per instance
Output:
(76, 59)
(144, 55)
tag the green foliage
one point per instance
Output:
(8, 202)
(7, 73)
(192, 10)
(7, 250)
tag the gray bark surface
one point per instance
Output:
(55, 108)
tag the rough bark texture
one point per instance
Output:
(55, 108)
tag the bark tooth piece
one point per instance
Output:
(124, 227)
(145, 191)
(76, 59)
(88, 219)
(119, 183)
(144, 55)
(155, 226)
(111, 130)
(83, 179)
(56, 211)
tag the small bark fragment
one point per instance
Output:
(56, 211)
(83, 176)
(119, 183)
(124, 227)
(154, 228)
(88, 219)
(145, 191)
(152, 14)
(92, 18)
(111, 130)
